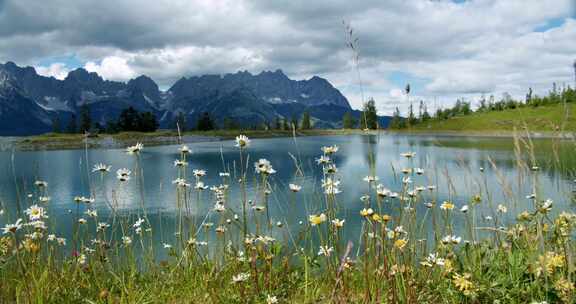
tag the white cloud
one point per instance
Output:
(113, 68)
(455, 49)
(56, 70)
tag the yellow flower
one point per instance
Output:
(376, 217)
(366, 212)
(400, 243)
(386, 218)
(462, 282)
(446, 205)
(565, 288)
(317, 219)
(550, 262)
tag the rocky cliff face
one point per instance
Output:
(30, 102)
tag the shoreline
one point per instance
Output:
(47, 142)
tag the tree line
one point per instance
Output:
(129, 119)
(462, 107)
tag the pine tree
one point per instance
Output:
(277, 124)
(85, 119)
(411, 116)
(56, 125)
(369, 115)
(285, 126)
(72, 128)
(294, 122)
(306, 123)
(395, 122)
(348, 122)
(205, 123)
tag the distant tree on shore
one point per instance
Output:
(369, 115)
(348, 122)
(205, 123)
(85, 119)
(72, 127)
(306, 123)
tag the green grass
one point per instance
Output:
(544, 118)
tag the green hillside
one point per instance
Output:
(543, 118)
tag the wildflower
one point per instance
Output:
(279, 224)
(451, 239)
(51, 237)
(549, 262)
(81, 259)
(127, 241)
(524, 216)
(446, 205)
(101, 227)
(408, 154)
(325, 251)
(185, 150)
(330, 186)
(431, 188)
(531, 196)
(91, 213)
(180, 182)
(294, 188)
(242, 141)
(102, 168)
(199, 173)
(400, 243)
(166, 246)
(271, 299)
(546, 206)
(432, 260)
(330, 169)
(138, 223)
(429, 205)
(219, 208)
(462, 282)
(366, 212)
(317, 219)
(180, 163)
(330, 150)
(41, 184)
(241, 277)
(365, 198)
(224, 174)
(371, 178)
(323, 160)
(220, 229)
(565, 288)
(258, 208)
(123, 174)
(35, 213)
(419, 171)
(381, 191)
(464, 209)
(420, 188)
(134, 149)
(12, 228)
(81, 221)
(338, 223)
(406, 180)
(61, 241)
(263, 166)
(502, 209)
(535, 168)
(200, 186)
(406, 170)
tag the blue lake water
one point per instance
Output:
(453, 165)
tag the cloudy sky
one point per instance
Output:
(444, 49)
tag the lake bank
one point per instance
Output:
(111, 141)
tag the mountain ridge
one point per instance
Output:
(249, 99)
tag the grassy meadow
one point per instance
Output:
(545, 118)
(394, 259)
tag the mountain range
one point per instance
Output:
(29, 102)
